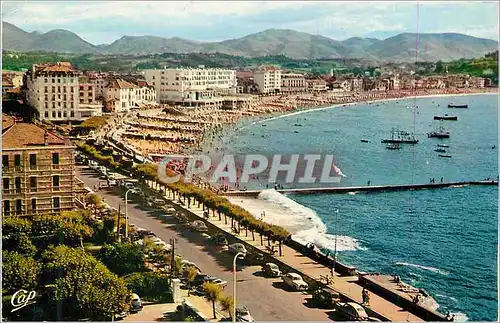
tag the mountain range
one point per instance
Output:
(291, 43)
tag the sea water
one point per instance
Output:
(442, 240)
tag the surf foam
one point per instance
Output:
(429, 268)
(302, 222)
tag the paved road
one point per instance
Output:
(264, 297)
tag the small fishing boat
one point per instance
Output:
(440, 132)
(446, 117)
(297, 125)
(445, 156)
(393, 146)
(458, 106)
(296, 131)
(440, 150)
(364, 140)
(443, 145)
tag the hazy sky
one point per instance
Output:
(106, 21)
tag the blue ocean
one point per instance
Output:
(442, 240)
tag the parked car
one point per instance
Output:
(324, 299)
(136, 303)
(352, 311)
(295, 281)
(271, 270)
(199, 226)
(243, 315)
(237, 247)
(186, 264)
(170, 211)
(120, 316)
(219, 240)
(222, 283)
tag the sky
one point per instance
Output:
(101, 22)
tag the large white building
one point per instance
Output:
(268, 79)
(122, 95)
(54, 91)
(190, 85)
(293, 83)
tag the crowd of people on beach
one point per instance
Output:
(165, 130)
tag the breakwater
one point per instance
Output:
(374, 188)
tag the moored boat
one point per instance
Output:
(364, 140)
(443, 145)
(458, 106)
(445, 117)
(440, 132)
(393, 146)
(400, 137)
(440, 150)
(444, 156)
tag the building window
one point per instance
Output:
(59, 112)
(55, 158)
(6, 185)
(56, 203)
(72, 113)
(18, 184)
(33, 184)
(19, 206)
(55, 182)
(5, 161)
(65, 113)
(33, 205)
(46, 114)
(6, 207)
(17, 161)
(32, 161)
(53, 114)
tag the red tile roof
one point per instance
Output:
(121, 84)
(55, 67)
(7, 121)
(22, 135)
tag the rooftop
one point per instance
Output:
(121, 84)
(62, 67)
(23, 135)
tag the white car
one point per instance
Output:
(295, 281)
(199, 226)
(237, 247)
(243, 315)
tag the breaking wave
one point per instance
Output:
(433, 269)
(302, 222)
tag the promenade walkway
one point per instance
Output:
(344, 285)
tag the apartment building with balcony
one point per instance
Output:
(191, 85)
(54, 91)
(268, 79)
(122, 95)
(293, 83)
(38, 170)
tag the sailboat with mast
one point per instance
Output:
(400, 137)
(439, 132)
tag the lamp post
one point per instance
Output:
(126, 211)
(238, 255)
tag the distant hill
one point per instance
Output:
(291, 43)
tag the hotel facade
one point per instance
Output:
(190, 85)
(54, 91)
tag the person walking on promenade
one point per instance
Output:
(366, 297)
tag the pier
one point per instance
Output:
(369, 188)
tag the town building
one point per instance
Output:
(316, 85)
(53, 90)
(121, 95)
(38, 170)
(293, 83)
(268, 79)
(191, 85)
